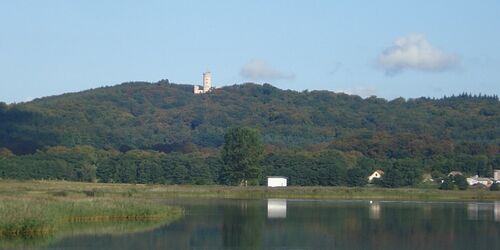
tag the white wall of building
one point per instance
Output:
(276, 182)
(496, 175)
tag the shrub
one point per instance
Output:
(461, 182)
(495, 187)
(447, 184)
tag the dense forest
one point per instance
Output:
(161, 133)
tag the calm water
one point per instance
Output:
(301, 224)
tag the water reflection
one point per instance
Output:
(496, 211)
(483, 211)
(374, 211)
(244, 224)
(472, 211)
(276, 208)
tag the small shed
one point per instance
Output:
(276, 181)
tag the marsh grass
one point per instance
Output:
(35, 216)
(83, 228)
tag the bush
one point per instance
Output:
(495, 187)
(447, 184)
(461, 182)
(356, 177)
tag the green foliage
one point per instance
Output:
(461, 182)
(356, 177)
(148, 115)
(454, 182)
(447, 184)
(406, 172)
(110, 134)
(242, 155)
(89, 164)
(495, 186)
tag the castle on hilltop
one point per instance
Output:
(207, 84)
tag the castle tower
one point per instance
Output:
(207, 84)
(207, 81)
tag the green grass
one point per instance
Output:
(80, 190)
(30, 216)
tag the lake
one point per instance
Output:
(308, 224)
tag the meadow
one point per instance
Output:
(151, 192)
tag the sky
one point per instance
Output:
(385, 48)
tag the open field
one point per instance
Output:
(79, 190)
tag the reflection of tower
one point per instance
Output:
(207, 81)
(276, 208)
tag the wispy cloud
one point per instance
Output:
(261, 70)
(416, 53)
(360, 90)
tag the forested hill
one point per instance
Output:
(168, 117)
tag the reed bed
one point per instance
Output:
(34, 216)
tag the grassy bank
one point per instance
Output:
(142, 191)
(28, 215)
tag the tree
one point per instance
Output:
(356, 177)
(461, 182)
(447, 184)
(404, 172)
(242, 156)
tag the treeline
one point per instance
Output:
(161, 133)
(328, 167)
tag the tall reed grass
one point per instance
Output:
(27, 217)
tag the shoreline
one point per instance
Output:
(14, 188)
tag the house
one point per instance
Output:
(479, 180)
(276, 181)
(376, 175)
(454, 173)
(496, 175)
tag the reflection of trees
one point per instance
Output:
(210, 224)
(242, 226)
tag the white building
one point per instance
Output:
(479, 180)
(207, 84)
(376, 175)
(276, 181)
(496, 175)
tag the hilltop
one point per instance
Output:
(167, 116)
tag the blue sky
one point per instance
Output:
(384, 48)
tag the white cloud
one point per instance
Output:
(415, 52)
(261, 70)
(360, 90)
